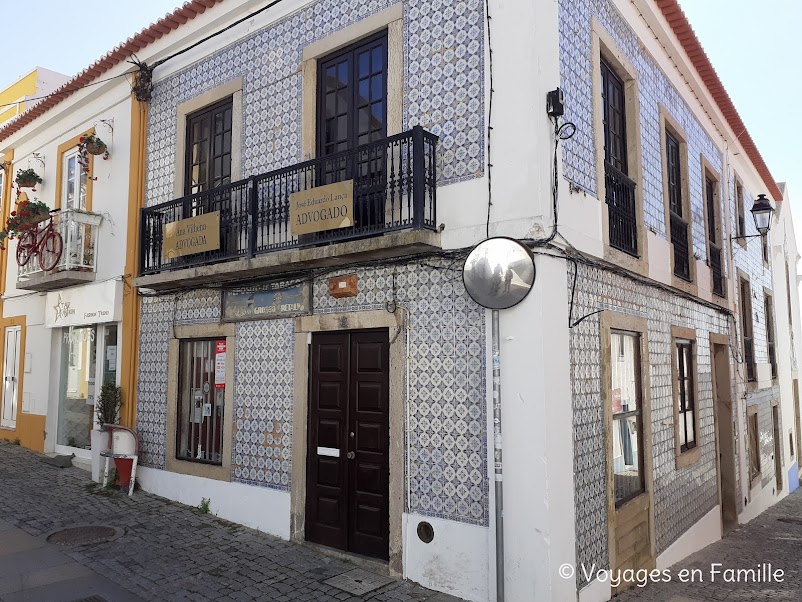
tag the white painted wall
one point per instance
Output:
(702, 534)
(260, 508)
(456, 560)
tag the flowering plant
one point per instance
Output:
(26, 216)
(27, 178)
(89, 144)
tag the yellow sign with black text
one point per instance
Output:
(192, 235)
(323, 208)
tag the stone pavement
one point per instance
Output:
(168, 551)
(773, 539)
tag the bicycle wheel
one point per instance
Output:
(50, 250)
(25, 248)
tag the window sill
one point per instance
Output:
(688, 458)
(756, 481)
(204, 470)
(638, 265)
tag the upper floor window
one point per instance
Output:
(714, 245)
(208, 144)
(747, 335)
(352, 96)
(74, 182)
(619, 188)
(739, 210)
(768, 306)
(678, 221)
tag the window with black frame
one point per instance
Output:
(747, 335)
(627, 423)
(678, 221)
(768, 307)
(201, 400)
(208, 147)
(686, 401)
(619, 187)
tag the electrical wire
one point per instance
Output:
(215, 34)
(61, 92)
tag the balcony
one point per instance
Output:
(392, 184)
(78, 262)
(620, 199)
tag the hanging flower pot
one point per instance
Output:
(96, 147)
(27, 178)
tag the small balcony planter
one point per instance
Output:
(91, 145)
(27, 178)
(26, 216)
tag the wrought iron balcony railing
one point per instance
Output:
(620, 199)
(78, 231)
(394, 188)
(679, 240)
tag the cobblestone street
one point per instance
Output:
(774, 538)
(167, 552)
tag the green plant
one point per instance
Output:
(26, 216)
(108, 403)
(90, 144)
(204, 505)
(27, 178)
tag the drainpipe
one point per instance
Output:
(497, 459)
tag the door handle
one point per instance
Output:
(350, 455)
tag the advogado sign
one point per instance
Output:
(323, 208)
(90, 304)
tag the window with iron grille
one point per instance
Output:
(686, 402)
(678, 222)
(713, 243)
(201, 400)
(768, 304)
(746, 329)
(208, 144)
(753, 433)
(619, 188)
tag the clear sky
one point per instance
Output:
(753, 44)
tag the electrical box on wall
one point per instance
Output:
(343, 286)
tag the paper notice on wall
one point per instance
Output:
(220, 365)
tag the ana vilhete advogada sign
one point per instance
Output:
(192, 235)
(323, 208)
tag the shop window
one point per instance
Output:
(753, 433)
(201, 400)
(684, 387)
(627, 424)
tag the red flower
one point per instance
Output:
(81, 139)
(13, 213)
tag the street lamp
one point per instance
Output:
(761, 212)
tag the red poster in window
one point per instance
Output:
(220, 365)
(616, 401)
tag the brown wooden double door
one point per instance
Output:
(347, 488)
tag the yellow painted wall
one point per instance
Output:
(25, 86)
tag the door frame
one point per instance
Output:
(16, 402)
(365, 320)
(723, 341)
(609, 321)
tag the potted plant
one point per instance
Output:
(107, 412)
(26, 216)
(90, 144)
(27, 178)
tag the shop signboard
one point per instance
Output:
(96, 303)
(267, 302)
(192, 235)
(219, 368)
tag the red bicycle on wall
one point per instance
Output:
(46, 242)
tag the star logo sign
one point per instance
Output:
(62, 308)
